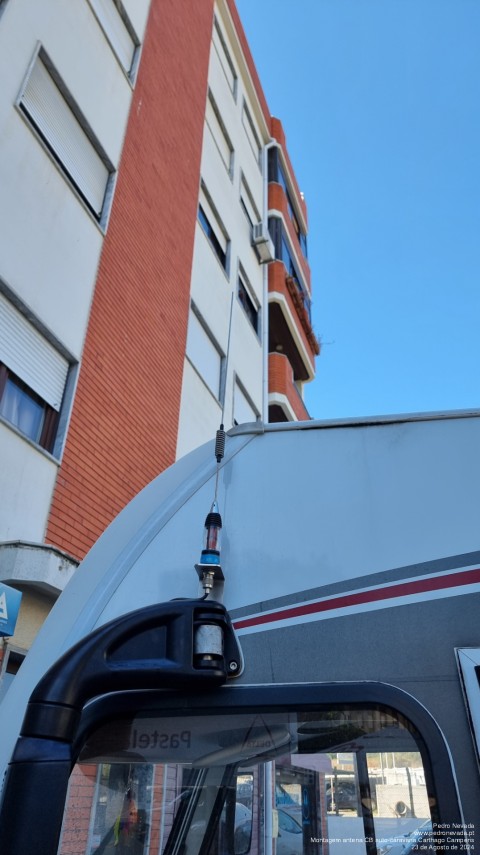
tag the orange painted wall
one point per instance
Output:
(123, 429)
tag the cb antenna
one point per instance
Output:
(220, 438)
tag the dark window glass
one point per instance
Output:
(202, 784)
(303, 244)
(22, 407)
(248, 305)
(205, 224)
(291, 210)
(292, 271)
(244, 207)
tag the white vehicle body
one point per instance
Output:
(350, 551)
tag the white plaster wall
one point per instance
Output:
(199, 413)
(211, 288)
(27, 479)
(49, 245)
(137, 11)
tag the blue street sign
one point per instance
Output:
(9, 607)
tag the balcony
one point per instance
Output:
(290, 329)
(278, 202)
(36, 566)
(284, 401)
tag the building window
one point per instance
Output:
(249, 207)
(213, 228)
(204, 353)
(33, 375)
(224, 57)
(252, 135)
(246, 301)
(118, 30)
(219, 133)
(24, 409)
(283, 253)
(277, 175)
(243, 407)
(63, 129)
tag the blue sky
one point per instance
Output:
(380, 103)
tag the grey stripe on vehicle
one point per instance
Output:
(438, 565)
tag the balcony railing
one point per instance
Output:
(303, 306)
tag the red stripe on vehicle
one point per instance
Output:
(452, 580)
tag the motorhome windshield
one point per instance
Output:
(345, 780)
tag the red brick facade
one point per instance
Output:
(277, 201)
(277, 276)
(123, 429)
(280, 379)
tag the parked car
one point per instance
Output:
(343, 796)
(290, 835)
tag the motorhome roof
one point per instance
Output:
(355, 421)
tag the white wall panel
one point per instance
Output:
(137, 11)
(221, 140)
(116, 31)
(242, 409)
(203, 354)
(47, 108)
(199, 414)
(49, 246)
(27, 479)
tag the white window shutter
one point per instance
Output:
(251, 132)
(218, 133)
(48, 109)
(30, 356)
(203, 354)
(242, 409)
(224, 56)
(114, 28)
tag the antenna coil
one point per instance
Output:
(220, 444)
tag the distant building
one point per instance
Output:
(143, 183)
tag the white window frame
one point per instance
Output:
(241, 274)
(228, 58)
(66, 407)
(219, 224)
(244, 187)
(221, 386)
(241, 386)
(247, 117)
(130, 73)
(101, 220)
(213, 104)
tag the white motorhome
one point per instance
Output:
(351, 565)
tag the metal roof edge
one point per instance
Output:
(355, 421)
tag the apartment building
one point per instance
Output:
(147, 196)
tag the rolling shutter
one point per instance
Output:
(203, 354)
(48, 109)
(213, 220)
(242, 409)
(115, 30)
(223, 144)
(224, 56)
(251, 132)
(30, 356)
